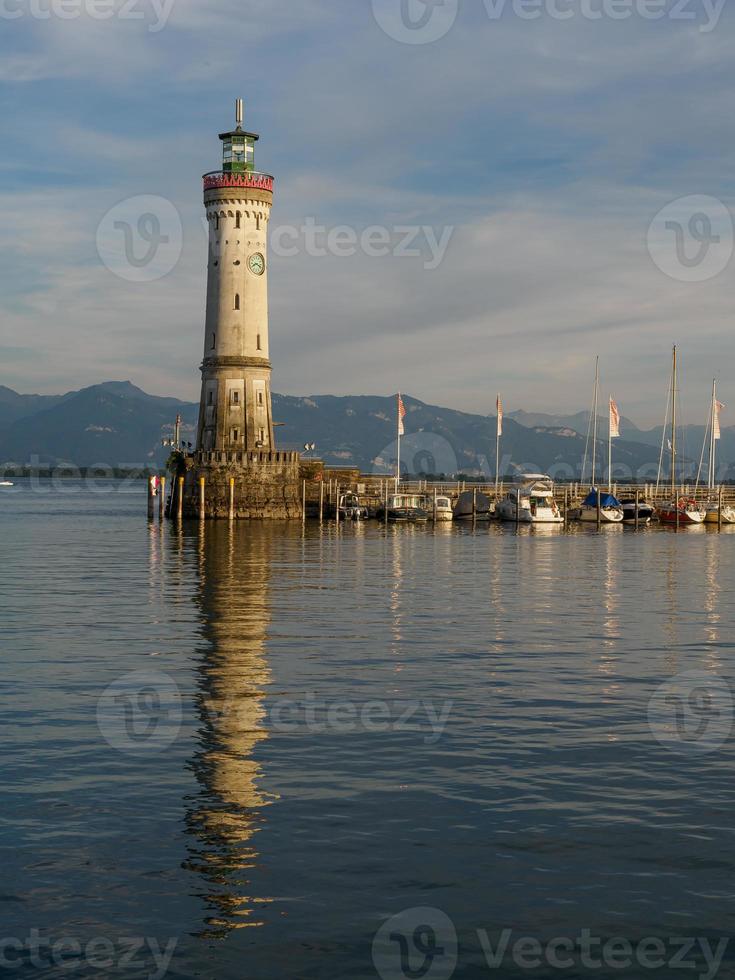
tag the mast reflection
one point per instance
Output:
(225, 817)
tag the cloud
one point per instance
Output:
(547, 146)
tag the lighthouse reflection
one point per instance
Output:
(230, 808)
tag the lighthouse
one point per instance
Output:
(237, 469)
(235, 410)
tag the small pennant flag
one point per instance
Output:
(500, 416)
(614, 420)
(401, 417)
(719, 407)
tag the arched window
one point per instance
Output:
(237, 219)
(237, 301)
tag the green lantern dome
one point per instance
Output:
(238, 147)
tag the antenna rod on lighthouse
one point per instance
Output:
(238, 111)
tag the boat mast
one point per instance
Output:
(673, 429)
(712, 443)
(609, 448)
(498, 433)
(595, 401)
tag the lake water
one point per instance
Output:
(268, 751)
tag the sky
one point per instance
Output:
(472, 196)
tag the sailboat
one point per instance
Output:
(714, 433)
(598, 506)
(680, 510)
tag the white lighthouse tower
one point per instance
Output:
(235, 412)
(235, 441)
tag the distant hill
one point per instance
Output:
(118, 424)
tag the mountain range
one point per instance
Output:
(118, 425)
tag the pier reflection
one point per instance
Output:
(233, 579)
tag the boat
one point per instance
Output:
(646, 511)
(530, 503)
(443, 509)
(610, 508)
(6, 483)
(350, 508)
(406, 508)
(599, 505)
(473, 505)
(679, 510)
(713, 433)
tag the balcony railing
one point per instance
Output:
(252, 181)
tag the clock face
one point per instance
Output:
(256, 264)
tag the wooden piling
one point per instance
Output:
(566, 505)
(180, 498)
(435, 510)
(232, 498)
(599, 509)
(151, 497)
(336, 503)
(202, 499)
(719, 511)
(162, 498)
(637, 505)
(303, 502)
(321, 502)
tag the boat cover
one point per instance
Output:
(606, 500)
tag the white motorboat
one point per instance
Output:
(530, 503)
(350, 508)
(443, 509)
(6, 483)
